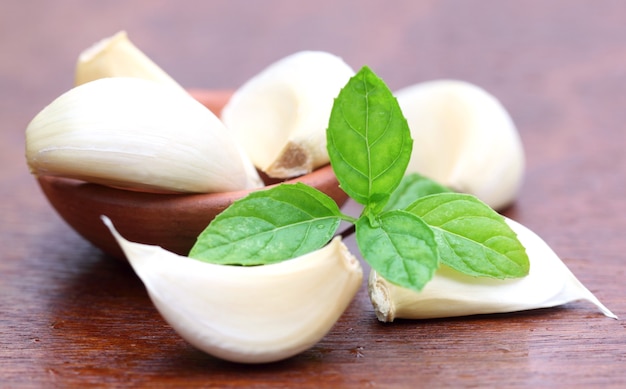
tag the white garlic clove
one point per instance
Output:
(550, 283)
(134, 133)
(464, 139)
(253, 314)
(280, 115)
(117, 56)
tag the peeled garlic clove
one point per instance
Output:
(248, 314)
(464, 139)
(280, 115)
(135, 133)
(450, 293)
(117, 56)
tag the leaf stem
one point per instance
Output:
(348, 218)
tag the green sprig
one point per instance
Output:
(408, 226)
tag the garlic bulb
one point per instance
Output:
(135, 133)
(464, 139)
(117, 56)
(248, 314)
(450, 293)
(280, 115)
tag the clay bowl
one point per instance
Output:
(172, 221)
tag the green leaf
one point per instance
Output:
(269, 226)
(472, 238)
(412, 187)
(400, 246)
(368, 140)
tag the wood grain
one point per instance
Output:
(72, 317)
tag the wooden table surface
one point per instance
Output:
(70, 316)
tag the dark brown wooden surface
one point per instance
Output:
(70, 316)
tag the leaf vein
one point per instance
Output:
(483, 247)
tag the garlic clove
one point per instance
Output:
(550, 283)
(248, 314)
(280, 115)
(117, 56)
(464, 139)
(134, 133)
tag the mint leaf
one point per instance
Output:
(404, 239)
(269, 226)
(412, 187)
(401, 247)
(368, 140)
(472, 238)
